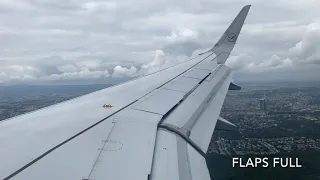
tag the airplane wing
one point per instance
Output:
(151, 128)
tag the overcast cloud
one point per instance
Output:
(52, 41)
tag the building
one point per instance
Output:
(263, 105)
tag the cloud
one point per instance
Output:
(240, 62)
(182, 42)
(119, 71)
(68, 40)
(96, 6)
(14, 5)
(289, 57)
(82, 74)
(158, 62)
(275, 62)
(307, 50)
(161, 60)
(67, 68)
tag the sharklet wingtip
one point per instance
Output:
(229, 38)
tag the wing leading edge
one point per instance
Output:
(159, 131)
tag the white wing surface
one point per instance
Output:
(151, 128)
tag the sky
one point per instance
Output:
(96, 41)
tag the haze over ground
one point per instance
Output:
(95, 41)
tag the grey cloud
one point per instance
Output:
(308, 50)
(183, 42)
(61, 40)
(119, 71)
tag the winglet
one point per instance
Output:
(227, 41)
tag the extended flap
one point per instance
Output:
(233, 86)
(224, 125)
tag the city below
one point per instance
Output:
(284, 120)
